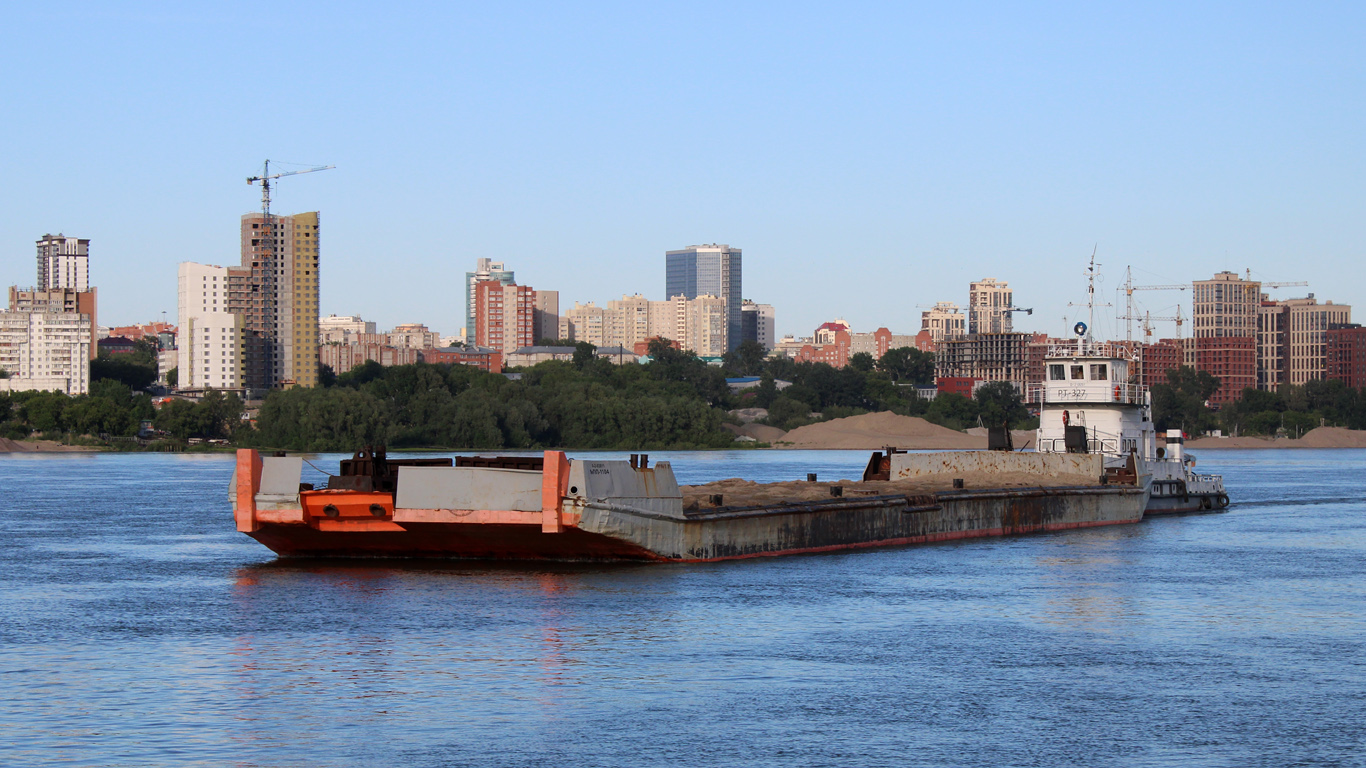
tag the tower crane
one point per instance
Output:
(1299, 283)
(1148, 324)
(266, 177)
(268, 232)
(272, 271)
(1129, 317)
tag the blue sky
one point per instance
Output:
(867, 157)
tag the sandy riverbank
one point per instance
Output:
(1322, 437)
(41, 446)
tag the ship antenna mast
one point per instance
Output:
(1091, 295)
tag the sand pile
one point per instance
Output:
(875, 430)
(1333, 437)
(1239, 442)
(761, 432)
(10, 446)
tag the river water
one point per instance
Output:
(138, 628)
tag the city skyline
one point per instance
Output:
(917, 146)
(1110, 313)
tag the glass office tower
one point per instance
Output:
(707, 269)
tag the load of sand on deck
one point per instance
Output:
(736, 492)
(871, 431)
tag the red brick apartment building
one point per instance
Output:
(504, 316)
(1347, 355)
(483, 358)
(835, 354)
(1232, 360)
(1156, 359)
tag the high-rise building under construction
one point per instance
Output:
(275, 290)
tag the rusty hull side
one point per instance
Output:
(445, 540)
(725, 534)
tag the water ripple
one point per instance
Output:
(138, 628)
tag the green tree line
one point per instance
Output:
(676, 400)
(1180, 403)
(117, 407)
(819, 392)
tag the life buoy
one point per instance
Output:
(1066, 418)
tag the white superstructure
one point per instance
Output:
(1091, 403)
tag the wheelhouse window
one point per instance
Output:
(1079, 372)
(1056, 373)
(1100, 372)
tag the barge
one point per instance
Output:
(552, 507)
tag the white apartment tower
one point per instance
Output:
(209, 354)
(584, 322)
(627, 321)
(341, 330)
(63, 262)
(700, 324)
(45, 350)
(989, 306)
(943, 320)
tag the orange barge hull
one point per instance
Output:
(435, 540)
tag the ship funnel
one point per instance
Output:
(1175, 445)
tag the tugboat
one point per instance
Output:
(1091, 403)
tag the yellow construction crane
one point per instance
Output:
(1148, 323)
(1300, 283)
